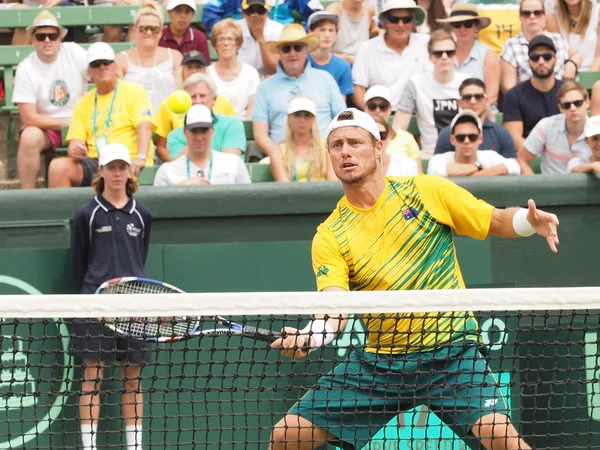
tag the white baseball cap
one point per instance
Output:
(172, 4)
(466, 113)
(301, 103)
(592, 126)
(360, 119)
(113, 152)
(99, 51)
(198, 116)
(378, 91)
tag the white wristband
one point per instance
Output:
(521, 225)
(320, 331)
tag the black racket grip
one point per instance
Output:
(260, 334)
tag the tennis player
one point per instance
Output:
(396, 234)
(109, 239)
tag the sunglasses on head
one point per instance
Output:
(536, 57)
(288, 48)
(383, 135)
(537, 13)
(397, 19)
(567, 105)
(100, 62)
(255, 10)
(472, 137)
(152, 29)
(466, 24)
(468, 97)
(41, 37)
(374, 106)
(440, 53)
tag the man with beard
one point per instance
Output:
(532, 100)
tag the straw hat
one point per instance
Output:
(390, 5)
(294, 34)
(45, 19)
(461, 12)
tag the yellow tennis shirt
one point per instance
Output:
(404, 242)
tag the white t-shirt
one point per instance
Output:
(402, 166)
(249, 52)
(434, 103)
(376, 63)
(488, 158)
(226, 169)
(237, 91)
(55, 88)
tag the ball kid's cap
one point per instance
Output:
(113, 152)
(359, 119)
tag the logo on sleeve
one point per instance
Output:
(410, 213)
(132, 230)
(322, 270)
(146, 112)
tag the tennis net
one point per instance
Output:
(542, 347)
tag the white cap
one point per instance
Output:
(378, 91)
(319, 16)
(361, 120)
(113, 152)
(98, 51)
(466, 113)
(198, 116)
(172, 4)
(592, 126)
(301, 103)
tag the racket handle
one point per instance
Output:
(260, 334)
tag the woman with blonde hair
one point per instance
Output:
(146, 63)
(235, 80)
(393, 165)
(577, 22)
(303, 155)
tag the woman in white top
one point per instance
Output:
(393, 165)
(577, 22)
(235, 80)
(148, 64)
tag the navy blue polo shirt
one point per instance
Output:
(107, 242)
(495, 137)
(524, 103)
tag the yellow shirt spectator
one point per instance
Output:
(301, 170)
(404, 144)
(117, 116)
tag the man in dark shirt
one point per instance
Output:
(532, 100)
(178, 35)
(495, 137)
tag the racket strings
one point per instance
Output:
(148, 327)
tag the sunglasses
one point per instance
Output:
(100, 62)
(468, 97)
(537, 13)
(440, 53)
(567, 105)
(288, 48)
(152, 29)
(255, 10)
(41, 37)
(373, 106)
(462, 137)
(547, 57)
(383, 135)
(466, 24)
(397, 19)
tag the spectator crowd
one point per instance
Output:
(456, 89)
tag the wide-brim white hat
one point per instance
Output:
(390, 5)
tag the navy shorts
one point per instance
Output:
(90, 169)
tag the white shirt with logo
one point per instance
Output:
(435, 104)
(55, 88)
(225, 169)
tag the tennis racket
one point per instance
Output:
(169, 329)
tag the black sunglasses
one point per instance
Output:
(567, 105)
(468, 97)
(288, 48)
(383, 135)
(547, 57)
(404, 19)
(41, 37)
(462, 137)
(255, 10)
(440, 53)
(537, 13)
(466, 24)
(373, 106)
(100, 62)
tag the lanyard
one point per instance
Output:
(200, 173)
(107, 122)
(295, 175)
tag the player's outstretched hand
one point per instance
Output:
(293, 344)
(544, 224)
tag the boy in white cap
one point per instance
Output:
(110, 238)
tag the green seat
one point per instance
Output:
(249, 130)
(147, 175)
(536, 165)
(425, 163)
(499, 118)
(413, 128)
(587, 79)
(260, 172)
